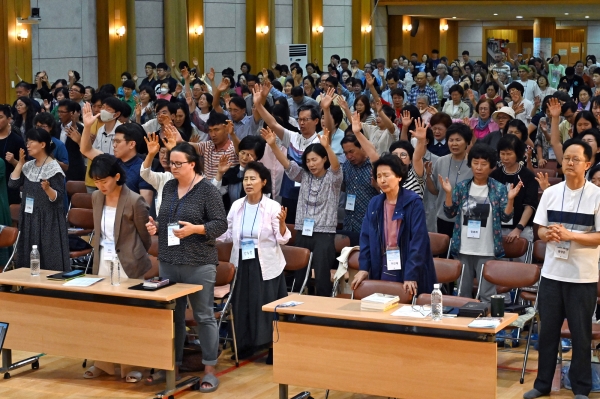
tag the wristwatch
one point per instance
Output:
(520, 227)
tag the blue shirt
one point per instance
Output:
(357, 179)
(132, 171)
(428, 91)
(60, 151)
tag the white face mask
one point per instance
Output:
(164, 90)
(106, 116)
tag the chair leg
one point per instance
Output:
(326, 394)
(526, 351)
(235, 350)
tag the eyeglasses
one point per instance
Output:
(575, 161)
(176, 165)
(402, 155)
(304, 120)
(74, 91)
(118, 141)
(42, 126)
(425, 310)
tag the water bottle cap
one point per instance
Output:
(34, 247)
(436, 286)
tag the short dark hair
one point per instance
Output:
(45, 118)
(395, 165)
(133, 132)
(494, 85)
(350, 138)
(561, 96)
(318, 149)
(256, 143)
(190, 154)
(314, 113)
(41, 136)
(397, 92)
(333, 80)
(114, 103)
(509, 142)
(108, 88)
(263, 173)
(162, 65)
(405, 145)
(297, 91)
(248, 66)
(441, 117)
(337, 115)
(148, 89)
(238, 102)
(24, 85)
(5, 109)
(71, 105)
(593, 171)
(465, 52)
(92, 90)
(250, 77)
(337, 57)
(457, 88)
(483, 151)
(126, 74)
(461, 129)
(105, 165)
(587, 150)
(183, 64)
(80, 87)
(216, 118)
(130, 84)
(150, 64)
(521, 127)
(569, 105)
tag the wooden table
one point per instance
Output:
(331, 344)
(101, 322)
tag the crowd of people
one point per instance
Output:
(384, 154)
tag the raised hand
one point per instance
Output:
(282, 215)
(211, 74)
(73, 133)
(134, 77)
(195, 62)
(172, 62)
(420, 131)
(432, 110)
(325, 138)
(554, 108)
(266, 88)
(21, 156)
(138, 110)
(542, 179)
(356, 126)
(88, 117)
(152, 143)
(224, 164)
(445, 183)
(170, 140)
(224, 85)
(342, 103)
(406, 118)
(265, 75)
(513, 191)
(47, 105)
(9, 157)
(369, 80)
(269, 136)
(378, 106)
(178, 89)
(327, 98)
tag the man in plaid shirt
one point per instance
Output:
(421, 87)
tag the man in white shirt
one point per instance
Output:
(568, 216)
(109, 113)
(443, 78)
(500, 66)
(531, 88)
(520, 105)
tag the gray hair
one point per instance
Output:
(424, 97)
(440, 65)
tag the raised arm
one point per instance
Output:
(326, 101)
(223, 86)
(370, 82)
(554, 109)
(325, 139)
(153, 149)
(264, 114)
(406, 122)
(269, 137)
(420, 134)
(86, 141)
(365, 144)
(389, 125)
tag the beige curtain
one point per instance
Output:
(272, 36)
(301, 23)
(175, 30)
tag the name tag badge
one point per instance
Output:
(156, 205)
(109, 251)
(171, 239)
(562, 250)
(29, 205)
(551, 154)
(296, 184)
(307, 227)
(247, 249)
(393, 259)
(474, 229)
(350, 201)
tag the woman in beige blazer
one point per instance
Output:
(120, 218)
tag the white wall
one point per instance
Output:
(224, 35)
(283, 22)
(337, 37)
(380, 26)
(150, 41)
(65, 39)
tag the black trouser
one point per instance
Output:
(291, 205)
(322, 246)
(576, 302)
(445, 227)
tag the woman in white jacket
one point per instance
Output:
(256, 227)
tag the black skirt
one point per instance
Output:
(253, 327)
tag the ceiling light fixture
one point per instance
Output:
(519, 17)
(495, 13)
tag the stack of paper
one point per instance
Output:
(381, 302)
(408, 311)
(485, 322)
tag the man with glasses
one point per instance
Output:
(568, 216)
(421, 88)
(163, 75)
(150, 79)
(243, 124)
(76, 93)
(10, 144)
(125, 149)
(69, 132)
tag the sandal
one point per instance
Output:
(133, 376)
(93, 372)
(159, 377)
(209, 379)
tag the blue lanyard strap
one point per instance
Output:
(563, 203)
(244, 218)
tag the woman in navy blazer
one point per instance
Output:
(395, 222)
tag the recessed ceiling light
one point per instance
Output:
(587, 16)
(453, 17)
(519, 17)
(495, 13)
(566, 13)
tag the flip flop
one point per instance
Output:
(133, 376)
(93, 372)
(209, 379)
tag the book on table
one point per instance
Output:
(380, 302)
(156, 282)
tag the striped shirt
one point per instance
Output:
(212, 155)
(414, 183)
(357, 179)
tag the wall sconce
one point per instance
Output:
(198, 30)
(22, 34)
(264, 30)
(444, 27)
(366, 29)
(407, 28)
(318, 29)
(120, 31)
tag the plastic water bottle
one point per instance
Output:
(436, 303)
(115, 272)
(34, 261)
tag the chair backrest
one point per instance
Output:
(554, 180)
(80, 217)
(8, 237)
(511, 274)
(447, 270)
(551, 172)
(153, 250)
(292, 229)
(353, 260)
(224, 251)
(439, 244)
(296, 258)
(15, 212)
(81, 200)
(539, 251)
(447, 300)
(74, 187)
(368, 287)
(225, 274)
(341, 241)
(515, 249)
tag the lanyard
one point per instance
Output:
(41, 168)
(316, 195)
(563, 203)
(457, 172)
(244, 218)
(179, 202)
